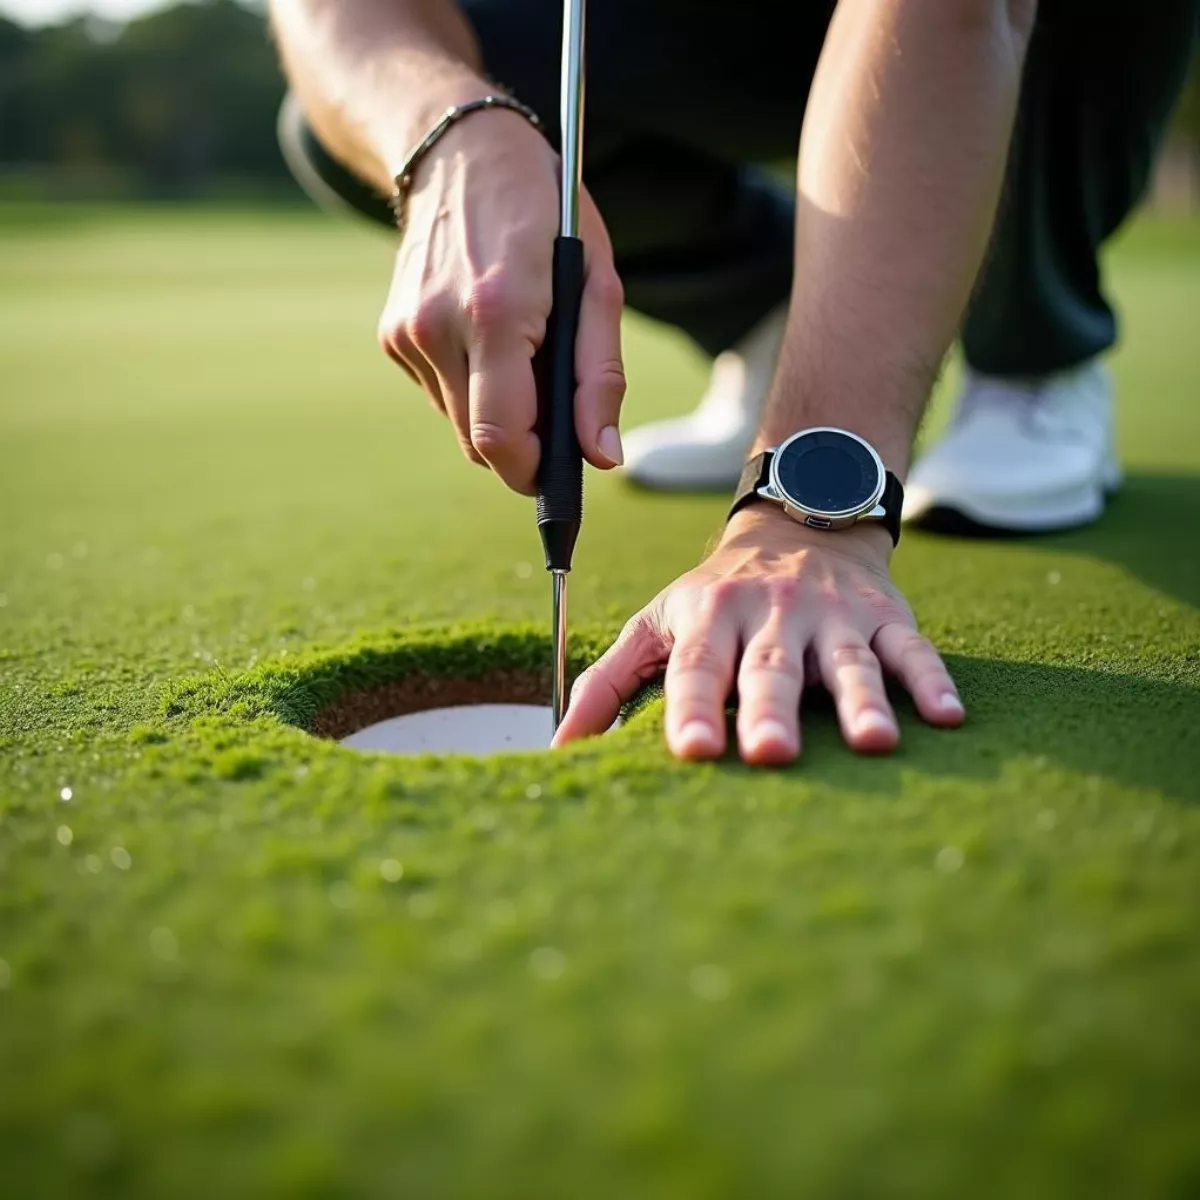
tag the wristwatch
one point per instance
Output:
(824, 478)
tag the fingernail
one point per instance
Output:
(775, 732)
(698, 735)
(609, 443)
(950, 704)
(872, 722)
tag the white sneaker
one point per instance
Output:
(1020, 456)
(707, 449)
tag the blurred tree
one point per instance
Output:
(181, 98)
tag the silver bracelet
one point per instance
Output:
(452, 115)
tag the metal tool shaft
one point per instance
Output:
(558, 684)
(560, 499)
(571, 116)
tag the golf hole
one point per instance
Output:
(498, 713)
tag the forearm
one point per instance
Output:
(901, 165)
(374, 75)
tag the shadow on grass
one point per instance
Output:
(1152, 529)
(1126, 729)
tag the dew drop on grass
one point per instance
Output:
(524, 570)
(164, 944)
(391, 870)
(66, 794)
(533, 791)
(709, 982)
(548, 963)
(949, 859)
(64, 835)
(121, 858)
(1055, 577)
(92, 865)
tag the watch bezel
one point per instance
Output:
(841, 517)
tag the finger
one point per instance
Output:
(852, 674)
(413, 363)
(454, 382)
(599, 370)
(919, 667)
(503, 394)
(636, 657)
(700, 675)
(770, 683)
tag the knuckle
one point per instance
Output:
(609, 289)
(428, 325)
(584, 681)
(774, 659)
(915, 646)
(638, 630)
(390, 334)
(784, 591)
(853, 654)
(720, 596)
(492, 304)
(610, 377)
(490, 440)
(695, 658)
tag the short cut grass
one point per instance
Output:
(236, 959)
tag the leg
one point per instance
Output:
(1032, 447)
(1099, 87)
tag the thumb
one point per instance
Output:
(599, 371)
(637, 656)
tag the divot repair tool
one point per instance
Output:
(560, 472)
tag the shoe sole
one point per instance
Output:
(967, 519)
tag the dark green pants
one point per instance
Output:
(686, 97)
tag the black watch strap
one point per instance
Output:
(757, 474)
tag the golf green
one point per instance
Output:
(238, 960)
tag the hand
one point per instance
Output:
(776, 607)
(471, 294)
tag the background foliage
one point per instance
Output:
(179, 102)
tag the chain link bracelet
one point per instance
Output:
(451, 117)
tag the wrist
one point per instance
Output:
(763, 523)
(398, 134)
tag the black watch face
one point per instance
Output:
(827, 472)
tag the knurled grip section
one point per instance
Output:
(560, 473)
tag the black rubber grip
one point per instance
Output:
(560, 473)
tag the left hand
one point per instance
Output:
(775, 608)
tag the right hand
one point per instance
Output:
(471, 294)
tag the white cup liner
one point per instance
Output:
(462, 729)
